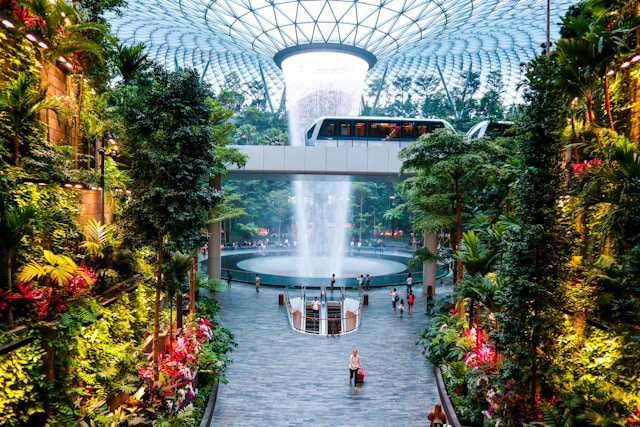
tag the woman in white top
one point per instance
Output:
(354, 365)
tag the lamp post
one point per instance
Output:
(113, 142)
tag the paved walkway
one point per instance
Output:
(281, 377)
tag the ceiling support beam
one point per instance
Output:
(266, 88)
(375, 103)
(464, 90)
(446, 90)
(204, 70)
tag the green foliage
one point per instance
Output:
(443, 342)
(21, 101)
(534, 260)
(475, 257)
(172, 154)
(22, 379)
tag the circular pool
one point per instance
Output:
(320, 266)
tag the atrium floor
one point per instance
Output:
(280, 377)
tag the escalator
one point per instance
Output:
(334, 317)
(312, 324)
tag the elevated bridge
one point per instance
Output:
(318, 163)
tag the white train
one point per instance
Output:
(370, 131)
(490, 129)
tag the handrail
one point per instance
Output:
(320, 318)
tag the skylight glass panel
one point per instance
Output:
(491, 32)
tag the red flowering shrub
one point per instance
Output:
(175, 386)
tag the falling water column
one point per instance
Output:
(321, 84)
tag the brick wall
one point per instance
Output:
(56, 81)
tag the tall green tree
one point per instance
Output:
(360, 194)
(447, 165)
(172, 153)
(533, 264)
(490, 105)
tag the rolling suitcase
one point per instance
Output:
(360, 375)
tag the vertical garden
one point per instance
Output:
(544, 326)
(106, 164)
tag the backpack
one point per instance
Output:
(396, 298)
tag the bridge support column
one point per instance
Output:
(213, 262)
(429, 268)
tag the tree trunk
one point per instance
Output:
(590, 117)
(156, 314)
(16, 147)
(76, 129)
(9, 286)
(458, 209)
(607, 101)
(192, 289)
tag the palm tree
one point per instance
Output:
(614, 190)
(22, 99)
(587, 57)
(132, 60)
(475, 258)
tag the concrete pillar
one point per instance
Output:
(429, 268)
(214, 264)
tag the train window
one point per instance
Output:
(383, 130)
(345, 128)
(494, 130)
(394, 131)
(310, 132)
(422, 128)
(379, 130)
(359, 129)
(408, 130)
(436, 125)
(328, 129)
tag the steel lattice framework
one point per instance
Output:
(443, 39)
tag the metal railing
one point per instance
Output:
(348, 323)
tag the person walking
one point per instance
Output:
(360, 280)
(333, 281)
(401, 307)
(257, 283)
(409, 283)
(229, 277)
(394, 299)
(354, 365)
(315, 308)
(410, 300)
(367, 282)
(437, 416)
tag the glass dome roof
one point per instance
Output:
(416, 38)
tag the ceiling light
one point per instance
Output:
(8, 23)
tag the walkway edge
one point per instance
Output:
(449, 410)
(207, 418)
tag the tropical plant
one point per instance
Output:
(474, 256)
(22, 99)
(13, 223)
(132, 60)
(57, 270)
